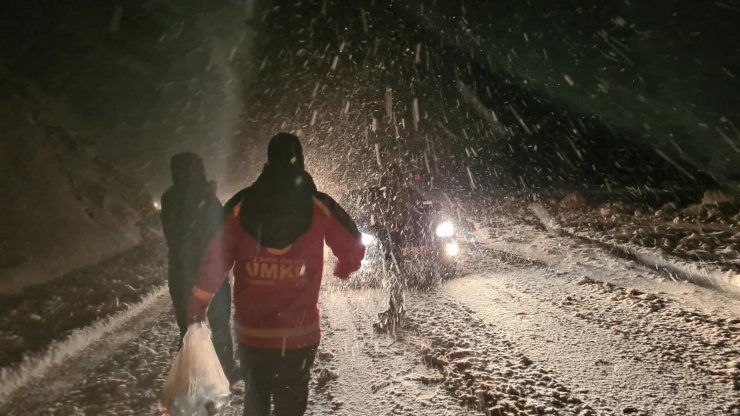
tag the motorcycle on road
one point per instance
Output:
(410, 243)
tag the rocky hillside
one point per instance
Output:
(62, 206)
(95, 97)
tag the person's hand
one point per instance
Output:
(197, 312)
(342, 271)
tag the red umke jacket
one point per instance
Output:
(276, 290)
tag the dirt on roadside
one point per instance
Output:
(708, 232)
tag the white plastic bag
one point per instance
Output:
(196, 384)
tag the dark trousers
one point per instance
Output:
(390, 243)
(277, 376)
(219, 317)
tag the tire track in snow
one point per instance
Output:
(369, 374)
(609, 351)
(376, 374)
(468, 349)
(480, 366)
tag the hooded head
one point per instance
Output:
(278, 207)
(285, 152)
(187, 170)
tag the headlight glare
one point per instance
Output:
(452, 249)
(445, 229)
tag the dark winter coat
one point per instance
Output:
(191, 216)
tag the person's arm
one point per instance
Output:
(343, 238)
(218, 259)
(167, 219)
(213, 216)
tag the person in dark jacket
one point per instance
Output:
(191, 216)
(274, 241)
(394, 212)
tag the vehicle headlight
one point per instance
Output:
(446, 229)
(368, 239)
(452, 249)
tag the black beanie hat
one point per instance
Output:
(285, 151)
(187, 169)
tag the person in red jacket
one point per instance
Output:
(273, 240)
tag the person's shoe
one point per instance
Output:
(235, 375)
(237, 388)
(389, 320)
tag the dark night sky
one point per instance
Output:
(159, 76)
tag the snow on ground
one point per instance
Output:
(112, 376)
(357, 372)
(616, 349)
(712, 274)
(40, 314)
(516, 240)
(536, 324)
(376, 374)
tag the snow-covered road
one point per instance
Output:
(536, 324)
